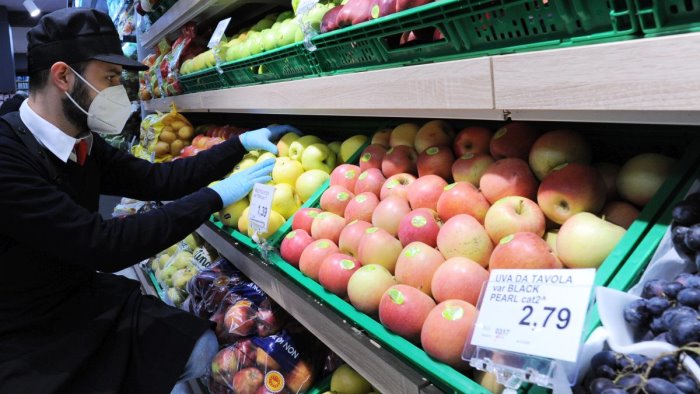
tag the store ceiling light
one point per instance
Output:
(33, 10)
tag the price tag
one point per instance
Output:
(218, 33)
(260, 207)
(535, 312)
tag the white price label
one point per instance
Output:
(260, 206)
(218, 33)
(535, 312)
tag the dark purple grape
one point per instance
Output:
(684, 332)
(689, 297)
(636, 313)
(614, 390)
(606, 357)
(673, 316)
(686, 383)
(657, 326)
(661, 386)
(663, 337)
(647, 336)
(605, 371)
(629, 381)
(686, 213)
(678, 239)
(667, 363)
(597, 385)
(692, 237)
(625, 361)
(683, 278)
(657, 305)
(654, 288)
(693, 281)
(671, 289)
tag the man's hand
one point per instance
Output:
(263, 138)
(241, 183)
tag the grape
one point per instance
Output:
(657, 326)
(661, 386)
(605, 371)
(599, 384)
(671, 289)
(683, 278)
(663, 337)
(686, 213)
(614, 390)
(605, 357)
(692, 237)
(630, 361)
(693, 281)
(673, 316)
(667, 363)
(684, 332)
(678, 239)
(654, 288)
(636, 313)
(648, 336)
(629, 381)
(689, 297)
(657, 305)
(685, 383)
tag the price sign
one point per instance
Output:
(535, 312)
(218, 33)
(260, 206)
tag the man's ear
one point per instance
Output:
(61, 76)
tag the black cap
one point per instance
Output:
(75, 35)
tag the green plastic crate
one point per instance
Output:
(659, 17)
(208, 79)
(474, 28)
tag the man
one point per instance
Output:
(64, 327)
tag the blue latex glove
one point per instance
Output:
(262, 138)
(241, 183)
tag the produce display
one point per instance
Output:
(685, 229)
(164, 136)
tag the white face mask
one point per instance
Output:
(109, 110)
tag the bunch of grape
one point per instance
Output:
(615, 373)
(685, 229)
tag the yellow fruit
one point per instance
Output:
(284, 142)
(167, 136)
(171, 250)
(161, 148)
(287, 171)
(285, 201)
(230, 215)
(351, 145)
(163, 259)
(309, 182)
(176, 147)
(266, 156)
(335, 146)
(243, 222)
(275, 221)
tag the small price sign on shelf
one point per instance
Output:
(260, 207)
(535, 312)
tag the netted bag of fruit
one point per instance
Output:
(174, 133)
(176, 272)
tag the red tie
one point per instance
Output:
(81, 151)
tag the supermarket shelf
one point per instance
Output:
(382, 368)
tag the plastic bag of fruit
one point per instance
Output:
(177, 265)
(166, 134)
(184, 48)
(209, 287)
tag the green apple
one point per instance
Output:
(192, 242)
(268, 39)
(286, 32)
(299, 35)
(171, 250)
(255, 43)
(284, 143)
(175, 296)
(315, 15)
(287, 171)
(272, 17)
(351, 145)
(318, 157)
(296, 148)
(182, 276)
(247, 162)
(285, 16)
(262, 24)
(266, 156)
(585, 240)
(347, 380)
(335, 146)
(229, 215)
(295, 4)
(285, 201)
(309, 182)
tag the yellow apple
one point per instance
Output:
(229, 215)
(286, 170)
(309, 182)
(247, 162)
(641, 177)
(265, 156)
(335, 146)
(585, 240)
(243, 221)
(285, 201)
(404, 134)
(351, 145)
(296, 148)
(275, 221)
(284, 143)
(318, 157)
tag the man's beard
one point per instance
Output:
(74, 115)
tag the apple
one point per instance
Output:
(353, 12)
(297, 147)
(523, 250)
(514, 214)
(335, 272)
(346, 380)
(243, 221)
(367, 285)
(377, 246)
(472, 139)
(264, 361)
(459, 278)
(247, 380)
(406, 4)
(286, 170)
(585, 240)
(470, 167)
(284, 201)
(513, 140)
(570, 189)
(551, 238)
(345, 175)
(381, 137)
(230, 215)
(309, 182)
(224, 365)
(329, 21)
(389, 213)
(318, 157)
(433, 133)
(371, 181)
(404, 134)
(416, 266)
(422, 224)
(621, 213)
(462, 197)
(335, 147)
(352, 145)
(372, 157)
(464, 236)
(304, 218)
(642, 176)
(399, 159)
(425, 192)
(314, 254)
(447, 329)
(558, 147)
(508, 177)
(265, 156)
(361, 207)
(350, 237)
(396, 185)
(335, 199)
(327, 225)
(403, 309)
(436, 160)
(293, 245)
(239, 318)
(609, 172)
(301, 378)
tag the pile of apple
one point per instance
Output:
(353, 12)
(208, 136)
(395, 237)
(303, 166)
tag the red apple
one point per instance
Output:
(225, 364)
(435, 132)
(557, 147)
(459, 278)
(367, 285)
(416, 266)
(470, 167)
(345, 175)
(436, 160)
(621, 213)
(512, 215)
(513, 140)
(372, 157)
(335, 272)
(472, 140)
(329, 21)
(239, 319)
(446, 330)
(312, 257)
(406, 4)
(303, 219)
(293, 245)
(327, 225)
(381, 137)
(370, 180)
(399, 159)
(377, 246)
(300, 379)
(508, 177)
(353, 12)
(396, 185)
(335, 199)
(609, 173)
(403, 134)
(361, 207)
(403, 309)
(422, 224)
(350, 236)
(462, 197)
(570, 189)
(464, 236)
(389, 213)
(247, 380)
(425, 192)
(523, 250)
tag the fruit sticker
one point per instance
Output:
(432, 150)
(274, 382)
(412, 251)
(361, 199)
(363, 175)
(323, 244)
(347, 264)
(396, 296)
(453, 312)
(506, 239)
(371, 230)
(392, 184)
(500, 133)
(291, 234)
(342, 196)
(366, 157)
(375, 12)
(449, 187)
(350, 174)
(419, 221)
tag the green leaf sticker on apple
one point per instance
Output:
(363, 175)
(501, 132)
(396, 296)
(432, 150)
(506, 239)
(450, 186)
(361, 199)
(375, 12)
(468, 155)
(347, 264)
(291, 234)
(323, 244)
(412, 251)
(351, 174)
(365, 157)
(419, 221)
(312, 214)
(368, 268)
(342, 196)
(372, 230)
(452, 312)
(392, 184)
